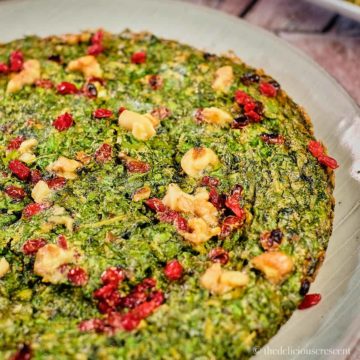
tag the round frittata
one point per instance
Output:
(157, 201)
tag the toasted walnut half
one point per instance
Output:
(26, 150)
(64, 167)
(142, 194)
(141, 126)
(88, 65)
(216, 116)
(275, 265)
(41, 192)
(201, 232)
(220, 281)
(4, 267)
(224, 77)
(198, 204)
(28, 76)
(196, 160)
(48, 260)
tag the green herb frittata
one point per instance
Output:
(157, 202)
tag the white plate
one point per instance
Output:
(334, 322)
(341, 6)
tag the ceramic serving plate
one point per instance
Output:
(331, 328)
(341, 6)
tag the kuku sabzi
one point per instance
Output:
(156, 201)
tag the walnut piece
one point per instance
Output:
(88, 65)
(224, 77)
(4, 267)
(64, 167)
(141, 194)
(216, 116)
(48, 260)
(41, 192)
(275, 265)
(27, 76)
(141, 126)
(196, 160)
(220, 281)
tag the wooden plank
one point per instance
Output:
(339, 55)
(289, 15)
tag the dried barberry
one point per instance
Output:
(63, 122)
(173, 270)
(271, 138)
(102, 114)
(103, 153)
(136, 166)
(139, 57)
(24, 352)
(19, 169)
(15, 192)
(31, 247)
(268, 89)
(219, 255)
(15, 143)
(250, 78)
(155, 82)
(32, 209)
(78, 276)
(16, 61)
(66, 88)
(309, 300)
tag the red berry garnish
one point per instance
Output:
(98, 37)
(272, 139)
(32, 246)
(229, 224)
(78, 276)
(66, 88)
(136, 166)
(309, 301)
(113, 275)
(56, 183)
(155, 82)
(219, 255)
(24, 353)
(121, 110)
(61, 241)
(161, 112)
(155, 205)
(218, 200)
(103, 153)
(138, 57)
(316, 149)
(4, 68)
(242, 98)
(15, 143)
(232, 202)
(35, 176)
(19, 169)
(268, 89)
(95, 49)
(32, 209)
(16, 61)
(63, 122)
(173, 270)
(15, 192)
(102, 113)
(92, 324)
(209, 181)
(44, 83)
(328, 161)
(105, 291)
(129, 322)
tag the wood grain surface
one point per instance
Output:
(331, 40)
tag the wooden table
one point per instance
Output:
(330, 39)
